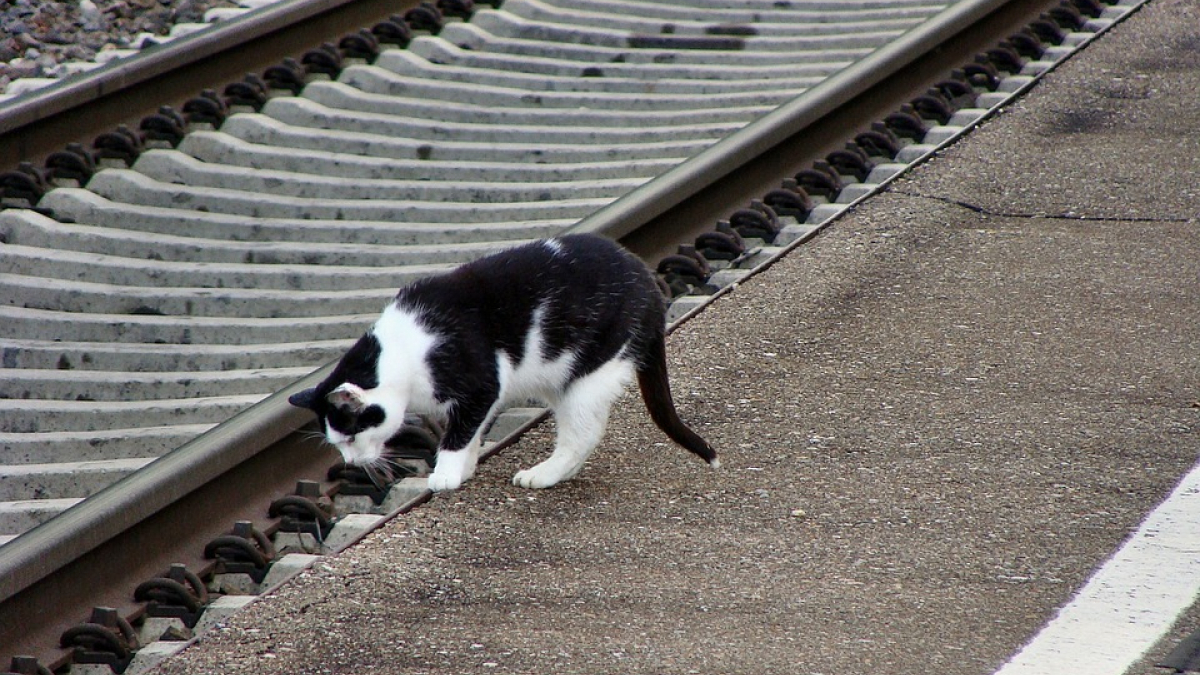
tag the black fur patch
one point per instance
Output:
(359, 366)
(594, 297)
(351, 423)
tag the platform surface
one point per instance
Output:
(937, 420)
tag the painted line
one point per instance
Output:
(1130, 602)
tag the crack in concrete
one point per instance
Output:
(982, 210)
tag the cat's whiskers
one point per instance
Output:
(372, 474)
(313, 435)
(381, 471)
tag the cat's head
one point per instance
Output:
(358, 422)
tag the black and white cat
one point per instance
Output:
(567, 321)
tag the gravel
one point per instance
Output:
(935, 420)
(48, 38)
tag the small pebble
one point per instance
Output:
(43, 35)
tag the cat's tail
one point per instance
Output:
(656, 392)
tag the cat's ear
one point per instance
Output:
(304, 399)
(348, 397)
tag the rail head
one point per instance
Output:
(59, 541)
(725, 157)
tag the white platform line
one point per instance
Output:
(1130, 602)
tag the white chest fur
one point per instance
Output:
(403, 367)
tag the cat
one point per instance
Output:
(567, 320)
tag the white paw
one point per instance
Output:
(444, 481)
(530, 478)
(453, 468)
(541, 476)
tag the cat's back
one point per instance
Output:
(578, 293)
(580, 265)
(581, 259)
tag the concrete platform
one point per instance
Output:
(937, 420)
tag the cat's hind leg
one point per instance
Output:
(581, 414)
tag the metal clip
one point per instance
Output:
(107, 639)
(244, 550)
(178, 594)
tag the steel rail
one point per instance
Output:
(641, 205)
(124, 90)
(32, 621)
(268, 426)
(55, 543)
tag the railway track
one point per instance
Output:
(161, 303)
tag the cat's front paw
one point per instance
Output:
(453, 468)
(444, 481)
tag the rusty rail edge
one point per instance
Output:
(43, 550)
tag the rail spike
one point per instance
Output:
(462, 9)
(164, 127)
(426, 17)
(288, 75)
(304, 511)
(250, 92)
(245, 550)
(177, 594)
(789, 200)
(325, 60)
(685, 271)
(26, 665)
(72, 166)
(22, 187)
(393, 31)
(361, 46)
(121, 146)
(106, 639)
